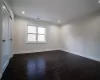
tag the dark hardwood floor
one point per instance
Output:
(51, 65)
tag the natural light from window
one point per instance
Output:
(36, 34)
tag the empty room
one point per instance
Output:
(49, 39)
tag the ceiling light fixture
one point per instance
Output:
(4, 7)
(38, 18)
(59, 21)
(99, 1)
(23, 12)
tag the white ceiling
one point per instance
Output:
(54, 10)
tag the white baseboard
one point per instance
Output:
(5, 65)
(0, 76)
(34, 51)
(84, 55)
(12, 55)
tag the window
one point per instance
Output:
(36, 34)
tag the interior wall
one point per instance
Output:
(82, 37)
(19, 36)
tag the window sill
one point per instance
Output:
(35, 42)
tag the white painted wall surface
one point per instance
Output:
(82, 37)
(19, 36)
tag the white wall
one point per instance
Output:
(82, 37)
(19, 36)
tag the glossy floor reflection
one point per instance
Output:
(51, 65)
(36, 69)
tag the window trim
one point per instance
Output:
(35, 42)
